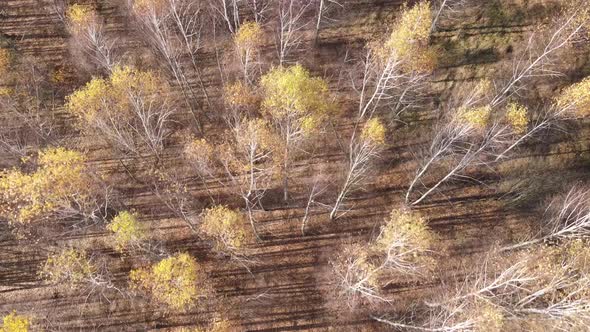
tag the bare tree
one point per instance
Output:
(540, 52)
(566, 217)
(173, 28)
(324, 7)
(229, 11)
(290, 25)
(88, 32)
(361, 154)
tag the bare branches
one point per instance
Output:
(290, 25)
(536, 59)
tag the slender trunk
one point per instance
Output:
(286, 174)
(317, 26)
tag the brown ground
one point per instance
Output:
(288, 288)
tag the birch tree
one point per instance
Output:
(360, 159)
(129, 111)
(173, 30)
(401, 247)
(296, 105)
(176, 282)
(89, 33)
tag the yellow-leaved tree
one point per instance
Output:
(60, 187)
(227, 228)
(70, 268)
(247, 40)
(176, 282)
(130, 110)
(297, 105)
(15, 323)
(127, 230)
(401, 249)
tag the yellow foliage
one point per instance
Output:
(4, 61)
(227, 227)
(374, 132)
(409, 40)
(478, 117)
(291, 93)
(113, 108)
(248, 37)
(576, 96)
(239, 95)
(6, 91)
(15, 323)
(174, 281)
(69, 267)
(80, 16)
(127, 230)
(199, 152)
(61, 177)
(406, 226)
(489, 318)
(149, 7)
(517, 116)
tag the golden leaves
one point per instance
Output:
(61, 176)
(248, 37)
(71, 266)
(226, 226)
(292, 93)
(517, 116)
(577, 97)
(407, 227)
(15, 323)
(374, 132)
(409, 40)
(80, 16)
(127, 230)
(477, 117)
(174, 281)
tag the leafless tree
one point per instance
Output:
(567, 217)
(229, 11)
(173, 31)
(539, 54)
(89, 34)
(246, 159)
(325, 6)
(362, 152)
(290, 25)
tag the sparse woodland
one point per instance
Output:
(294, 165)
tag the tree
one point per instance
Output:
(227, 228)
(127, 230)
(27, 105)
(324, 7)
(177, 281)
(394, 69)
(247, 158)
(130, 110)
(59, 188)
(74, 269)
(545, 287)
(401, 247)
(173, 30)
(290, 26)
(247, 41)
(567, 217)
(362, 153)
(88, 32)
(15, 323)
(296, 104)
